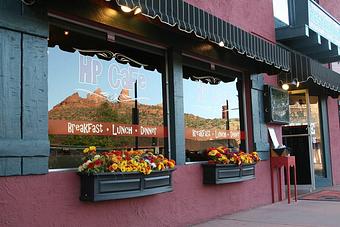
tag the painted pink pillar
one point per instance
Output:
(334, 134)
(331, 6)
(53, 200)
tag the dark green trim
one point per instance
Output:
(323, 110)
(10, 166)
(34, 165)
(176, 106)
(24, 145)
(25, 19)
(17, 148)
(260, 130)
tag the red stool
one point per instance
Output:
(286, 162)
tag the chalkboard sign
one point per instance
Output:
(276, 104)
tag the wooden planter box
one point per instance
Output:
(110, 186)
(222, 174)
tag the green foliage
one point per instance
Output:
(105, 113)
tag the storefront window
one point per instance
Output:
(212, 118)
(103, 103)
(281, 13)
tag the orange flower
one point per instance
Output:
(160, 166)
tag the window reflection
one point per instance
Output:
(211, 114)
(104, 103)
(281, 13)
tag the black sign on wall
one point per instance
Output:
(276, 105)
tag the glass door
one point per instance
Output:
(316, 136)
(297, 136)
(320, 141)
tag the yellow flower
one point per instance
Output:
(86, 150)
(114, 166)
(92, 148)
(171, 164)
(161, 166)
(148, 170)
(212, 153)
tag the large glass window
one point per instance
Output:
(104, 103)
(281, 13)
(212, 117)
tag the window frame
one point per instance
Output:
(131, 42)
(220, 71)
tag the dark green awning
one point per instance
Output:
(311, 73)
(189, 18)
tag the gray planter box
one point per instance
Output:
(110, 186)
(222, 174)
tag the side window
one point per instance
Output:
(212, 116)
(281, 13)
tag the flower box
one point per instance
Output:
(118, 185)
(227, 173)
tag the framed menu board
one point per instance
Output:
(276, 105)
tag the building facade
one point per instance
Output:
(190, 74)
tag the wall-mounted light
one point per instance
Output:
(285, 87)
(126, 9)
(221, 44)
(137, 11)
(296, 83)
(66, 32)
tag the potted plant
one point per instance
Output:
(227, 166)
(123, 174)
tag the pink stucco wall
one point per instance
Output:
(252, 16)
(53, 200)
(331, 6)
(334, 132)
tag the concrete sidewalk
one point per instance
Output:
(301, 213)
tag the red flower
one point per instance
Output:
(127, 156)
(91, 165)
(118, 153)
(97, 162)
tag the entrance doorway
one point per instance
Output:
(306, 138)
